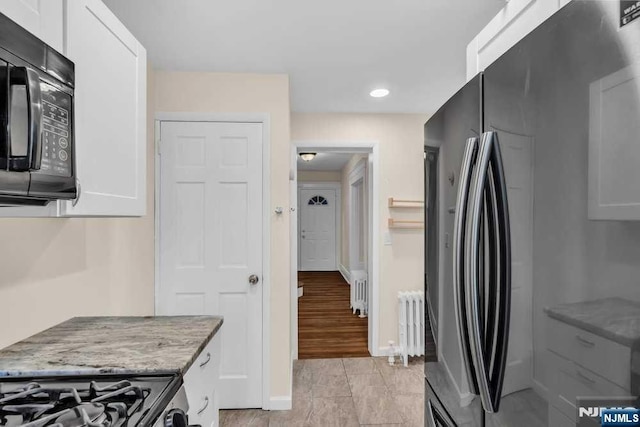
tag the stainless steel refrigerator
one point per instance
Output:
(536, 310)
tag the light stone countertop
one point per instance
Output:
(114, 345)
(616, 319)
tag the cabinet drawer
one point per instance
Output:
(201, 385)
(570, 380)
(201, 410)
(204, 364)
(600, 355)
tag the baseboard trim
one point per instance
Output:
(280, 403)
(284, 403)
(383, 351)
(345, 273)
(465, 398)
(541, 389)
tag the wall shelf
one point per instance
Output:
(405, 224)
(398, 203)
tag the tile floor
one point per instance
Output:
(343, 393)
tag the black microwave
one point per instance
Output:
(37, 145)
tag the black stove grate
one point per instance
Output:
(96, 405)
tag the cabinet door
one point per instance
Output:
(517, 19)
(614, 152)
(110, 112)
(41, 18)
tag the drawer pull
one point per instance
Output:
(585, 378)
(202, 365)
(206, 403)
(585, 342)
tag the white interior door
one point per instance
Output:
(211, 242)
(318, 229)
(516, 151)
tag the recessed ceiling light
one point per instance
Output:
(379, 93)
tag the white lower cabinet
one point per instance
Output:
(201, 382)
(558, 419)
(582, 364)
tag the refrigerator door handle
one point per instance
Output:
(431, 421)
(435, 418)
(491, 265)
(488, 224)
(459, 250)
(474, 293)
(503, 282)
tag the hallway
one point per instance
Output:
(327, 328)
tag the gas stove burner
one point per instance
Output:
(78, 402)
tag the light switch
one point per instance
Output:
(387, 238)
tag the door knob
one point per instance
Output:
(254, 279)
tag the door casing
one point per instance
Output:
(356, 217)
(370, 147)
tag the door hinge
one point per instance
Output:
(158, 145)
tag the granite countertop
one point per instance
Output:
(616, 319)
(118, 345)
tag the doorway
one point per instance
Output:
(334, 229)
(320, 211)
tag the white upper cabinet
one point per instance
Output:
(614, 152)
(110, 112)
(43, 18)
(517, 19)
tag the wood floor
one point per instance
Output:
(327, 328)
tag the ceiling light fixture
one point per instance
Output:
(307, 157)
(379, 93)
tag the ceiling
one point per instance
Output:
(334, 51)
(325, 162)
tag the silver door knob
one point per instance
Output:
(254, 279)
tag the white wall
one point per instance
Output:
(57, 268)
(319, 176)
(228, 93)
(401, 176)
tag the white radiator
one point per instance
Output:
(359, 291)
(411, 321)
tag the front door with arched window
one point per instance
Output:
(318, 230)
